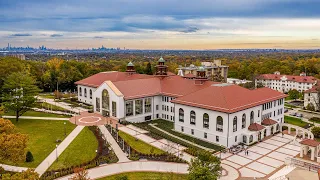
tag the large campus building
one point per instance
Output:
(285, 83)
(221, 113)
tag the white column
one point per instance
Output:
(312, 153)
(289, 130)
(301, 151)
(303, 135)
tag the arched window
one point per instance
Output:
(205, 120)
(278, 127)
(251, 117)
(244, 139)
(192, 117)
(80, 91)
(219, 124)
(85, 92)
(235, 122)
(251, 139)
(105, 100)
(90, 94)
(244, 120)
(181, 115)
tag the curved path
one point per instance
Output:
(153, 166)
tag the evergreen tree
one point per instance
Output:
(148, 69)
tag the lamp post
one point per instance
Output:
(57, 152)
(65, 132)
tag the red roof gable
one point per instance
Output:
(310, 142)
(229, 98)
(114, 76)
(268, 122)
(255, 127)
(314, 89)
(305, 79)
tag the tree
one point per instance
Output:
(293, 94)
(80, 174)
(259, 85)
(148, 69)
(24, 175)
(316, 131)
(310, 107)
(204, 167)
(12, 144)
(19, 93)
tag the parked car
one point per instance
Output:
(293, 114)
(299, 115)
(285, 110)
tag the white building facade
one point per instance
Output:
(285, 83)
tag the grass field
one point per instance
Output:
(295, 121)
(82, 149)
(42, 135)
(48, 106)
(37, 114)
(139, 145)
(147, 176)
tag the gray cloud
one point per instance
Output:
(21, 35)
(190, 30)
(56, 35)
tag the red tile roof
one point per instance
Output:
(314, 89)
(268, 122)
(229, 98)
(304, 79)
(114, 76)
(310, 142)
(255, 127)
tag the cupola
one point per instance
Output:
(130, 68)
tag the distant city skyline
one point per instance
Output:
(165, 24)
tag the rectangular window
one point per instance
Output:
(98, 104)
(147, 105)
(217, 138)
(162, 98)
(157, 107)
(129, 108)
(157, 116)
(138, 106)
(162, 107)
(147, 118)
(205, 135)
(182, 129)
(192, 131)
(235, 139)
(258, 113)
(114, 109)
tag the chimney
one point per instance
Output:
(201, 76)
(130, 68)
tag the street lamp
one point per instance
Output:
(65, 133)
(57, 152)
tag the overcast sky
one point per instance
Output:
(161, 24)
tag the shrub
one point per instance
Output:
(29, 157)
(316, 131)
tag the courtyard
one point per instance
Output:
(264, 158)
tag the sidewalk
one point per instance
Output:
(52, 112)
(63, 105)
(116, 148)
(13, 168)
(33, 117)
(45, 164)
(134, 166)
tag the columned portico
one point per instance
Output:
(312, 145)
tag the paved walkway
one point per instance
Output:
(63, 105)
(151, 166)
(52, 112)
(45, 164)
(116, 148)
(93, 119)
(13, 168)
(33, 117)
(194, 144)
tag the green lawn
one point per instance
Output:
(42, 135)
(48, 96)
(82, 149)
(295, 121)
(139, 145)
(37, 114)
(48, 106)
(168, 126)
(147, 176)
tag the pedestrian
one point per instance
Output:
(282, 134)
(247, 153)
